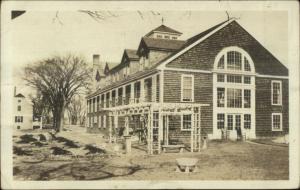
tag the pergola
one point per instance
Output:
(156, 117)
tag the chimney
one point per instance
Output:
(96, 59)
(15, 91)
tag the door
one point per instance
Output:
(233, 129)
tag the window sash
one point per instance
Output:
(187, 86)
(276, 93)
(277, 122)
(186, 122)
(221, 121)
(247, 121)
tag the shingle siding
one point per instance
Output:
(203, 93)
(202, 56)
(264, 107)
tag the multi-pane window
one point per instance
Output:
(234, 60)
(246, 65)
(220, 121)
(234, 78)
(247, 121)
(238, 121)
(276, 122)
(221, 97)
(158, 36)
(276, 92)
(186, 122)
(155, 119)
(18, 119)
(247, 80)
(221, 63)
(220, 78)
(247, 98)
(19, 108)
(229, 122)
(234, 98)
(187, 88)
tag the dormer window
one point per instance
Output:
(159, 36)
(167, 37)
(174, 38)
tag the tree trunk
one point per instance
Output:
(61, 118)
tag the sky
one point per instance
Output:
(39, 34)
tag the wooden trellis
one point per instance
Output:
(154, 114)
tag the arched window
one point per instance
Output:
(234, 59)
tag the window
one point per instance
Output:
(187, 85)
(234, 78)
(18, 119)
(221, 63)
(159, 36)
(19, 108)
(19, 101)
(221, 97)
(167, 37)
(186, 122)
(276, 122)
(220, 120)
(247, 121)
(246, 65)
(174, 38)
(247, 80)
(234, 98)
(234, 60)
(276, 92)
(220, 78)
(229, 122)
(247, 98)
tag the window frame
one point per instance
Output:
(182, 88)
(182, 121)
(280, 116)
(280, 94)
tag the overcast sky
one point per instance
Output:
(39, 34)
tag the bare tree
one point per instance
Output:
(76, 110)
(59, 78)
(41, 106)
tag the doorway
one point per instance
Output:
(233, 128)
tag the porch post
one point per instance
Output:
(199, 127)
(132, 93)
(110, 127)
(126, 126)
(123, 95)
(142, 87)
(192, 132)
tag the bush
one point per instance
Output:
(20, 152)
(94, 150)
(60, 151)
(67, 142)
(26, 139)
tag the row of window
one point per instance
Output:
(166, 37)
(233, 121)
(234, 98)
(234, 78)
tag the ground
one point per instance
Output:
(83, 156)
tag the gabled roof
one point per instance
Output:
(131, 54)
(163, 28)
(161, 44)
(20, 95)
(263, 61)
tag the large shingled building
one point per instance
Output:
(221, 83)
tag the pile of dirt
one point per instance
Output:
(21, 152)
(93, 149)
(60, 151)
(26, 139)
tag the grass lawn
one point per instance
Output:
(222, 160)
